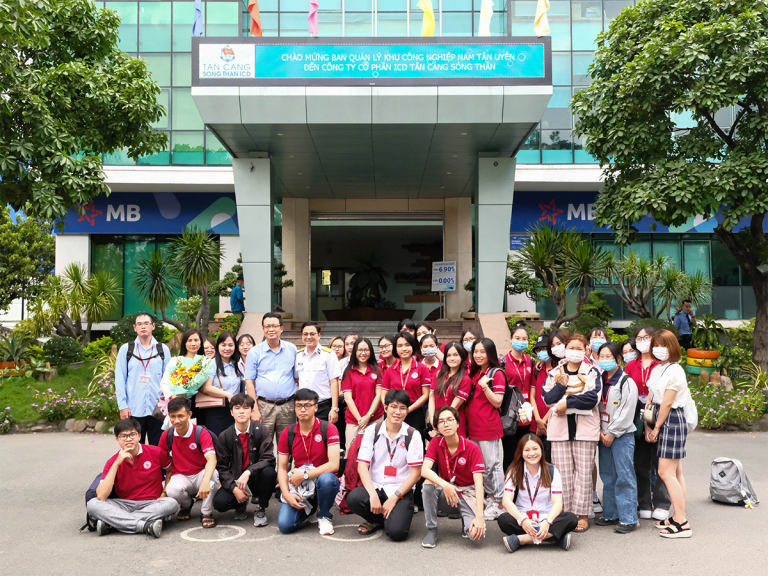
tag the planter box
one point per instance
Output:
(11, 372)
(705, 354)
(367, 315)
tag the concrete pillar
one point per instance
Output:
(296, 244)
(457, 245)
(73, 249)
(254, 214)
(231, 246)
(495, 187)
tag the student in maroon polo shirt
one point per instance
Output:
(457, 486)
(410, 375)
(315, 463)
(519, 368)
(194, 472)
(245, 461)
(451, 385)
(134, 475)
(361, 385)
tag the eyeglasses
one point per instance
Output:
(303, 407)
(398, 408)
(338, 346)
(126, 437)
(446, 421)
(271, 326)
(467, 341)
(643, 339)
(143, 324)
(363, 352)
(385, 346)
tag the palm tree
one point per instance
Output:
(155, 282)
(98, 300)
(195, 258)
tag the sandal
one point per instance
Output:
(368, 528)
(208, 521)
(663, 524)
(184, 514)
(582, 526)
(675, 530)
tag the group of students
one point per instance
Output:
(323, 404)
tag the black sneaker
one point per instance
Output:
(154, 528)
(565, 542)
(241, 512)
(511, 543)
(102, 528)
(605, 522)
(626, 528)
(454, 516)
(441, 514)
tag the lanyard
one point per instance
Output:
(141, 360)
(391, 451)
(307, 450)
(514, 364)
(404, 381)
(451, 471)
(528, 489)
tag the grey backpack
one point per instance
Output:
(729, 483)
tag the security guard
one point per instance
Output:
(317, 368)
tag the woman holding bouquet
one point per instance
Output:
(224, 382)
(187, 372)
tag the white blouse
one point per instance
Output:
(668, 377)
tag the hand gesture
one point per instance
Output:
(527, 525)
(240, 495)
(389, 505)
(204, 491)
(477, 528)
(333, 416)
(124, 455)
(376, 507)
(543, 531)
(242, 482)
(363, 421)
(296, 478)
(484, 382)
(561, 407)
(451, 495)
(294, 500)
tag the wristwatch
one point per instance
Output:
(306, 475)
(335, 409)
(397, 493)
(522, 519)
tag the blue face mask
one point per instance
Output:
(596, 344)
(630, 356)
(607, 365)
(543, 356)
(519, 345)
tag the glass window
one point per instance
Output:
(726, 302)
(221, 19)
(294, 24)
(389, 24)
(155, 26)
(670, 249)
(561, 68)
(183, 17)
(642, 248)
(557, 114)
(580, 155)
(129, 19)
(294, 6)
(587, 24)
(162, 158)
(529, 151)
(328, 23)
(182, 69)
(457, 24)
(269, 24)
(264, 5)
(187, 148)
(612, 8)
(107, 256)
(160, 67)
(581, 63)
(215, 153)
(367, 6)
(417, 17)
(358, 24)
(185, 114)
(559, 16)
(725, 269)
(136, 247)
(696, 257)
(119, 158)
(498, 23)
(556, 147)
(451, 5)
(162, 99)
(523, 12)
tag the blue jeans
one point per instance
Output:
(326, 488)
(617, 471)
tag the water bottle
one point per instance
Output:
(537, 527)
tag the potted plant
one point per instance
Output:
(706, 345)
(14, 349)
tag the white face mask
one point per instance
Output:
(468, 346)
(643, 346)
(661, 353)
(574, 356)
(559, 350)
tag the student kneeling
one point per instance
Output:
(246, 463)
(389, 464)
(458, 488)
(533, 500)
(311, 485)
(194, 472)
(135, 475)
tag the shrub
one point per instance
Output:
(655, 323)
(99, 348)
(168, 333)
(60, 351)
(123, 331)
(69, 404)
(6, 420)
(229, 324)
(584, 323)
(718, 406)
(597, 305)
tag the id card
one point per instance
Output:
(525, 395)
(390, 471)
(533, 515)
(604, 417)
(144, 379)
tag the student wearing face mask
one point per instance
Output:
(617, 443)
(668, 391)
(541, 411)
(652, 494)
(518, 367)
(556, 346)
(424, 328)
(468, 338)
(597, 337)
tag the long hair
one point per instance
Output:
(444, 378)
(561, 335)
(186, 336)
(234, 360)
(355, 363)
(516, 470)
(411, 342)
(490, 352)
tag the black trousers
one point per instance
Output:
(397, 525)
(564, 523)
(261, 484)
(417, 420)
(509, 444)
(650, 495)
(216, 419)
(151, 429)
(324, 410)
(685, 341)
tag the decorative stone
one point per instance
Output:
(42, 421)
(37, 428)
(100, 426)
(726, 382)
(62, 425)
(80, 425)
(91, 422)
(76, 365)
(111, 430)
(70, 424)
(732, 427)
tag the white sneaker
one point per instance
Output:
(591, 514)
(645, 514)
(660, 514)
(492, 511)
(325, 525)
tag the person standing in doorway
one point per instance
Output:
(685, 322)
(236, 298)
(139, 367)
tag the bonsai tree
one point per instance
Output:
(280, 272)
(367, 285)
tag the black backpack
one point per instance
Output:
(408, 434)
(551, 474)
(132, 346)
(168, 434)
(323, 433)
(90, 494)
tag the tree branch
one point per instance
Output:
(726, 138)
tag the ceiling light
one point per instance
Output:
(447, 172)
(463, 133)
(300, 173)
(279, 134)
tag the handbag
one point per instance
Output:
(206, 401)
(649, 418)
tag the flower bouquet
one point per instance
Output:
(184, 377)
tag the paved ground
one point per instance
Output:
(44, 478)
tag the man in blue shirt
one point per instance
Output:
(270, 377)
(137, 378)
(685, 321)
(236, 298)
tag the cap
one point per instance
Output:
(541, 341)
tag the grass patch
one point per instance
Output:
(18, 393)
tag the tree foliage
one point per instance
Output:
(27, 253)
(69, 95)
(367, 285)
(660, 61)
(153, 280)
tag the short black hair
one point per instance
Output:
(126, 426)
(613, 348)
(240, 277)
(305, 394)
(147, 314)
(399, 396)
(687, 301)
(406, 323)
(242, 400)
(311, 323)
(179, 403)
(442, 409)
(271, 315)
(411, 342)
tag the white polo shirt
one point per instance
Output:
(316, 370)
(543, 501)
(378, 457)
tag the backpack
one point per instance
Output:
(323, 433)
(510, 404)
(132, 346)
(198, 432)
(377, 434)
(729, 484)
(551, 468)
(90, 494)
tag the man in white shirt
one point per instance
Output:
(389, 465)
(317, 368)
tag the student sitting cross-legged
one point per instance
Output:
(533, 500)
(389, 464)
(457, 487)
(135, 476)
(245, 462)
(310, 484)
(194, 472)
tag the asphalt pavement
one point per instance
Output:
(44, 478)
